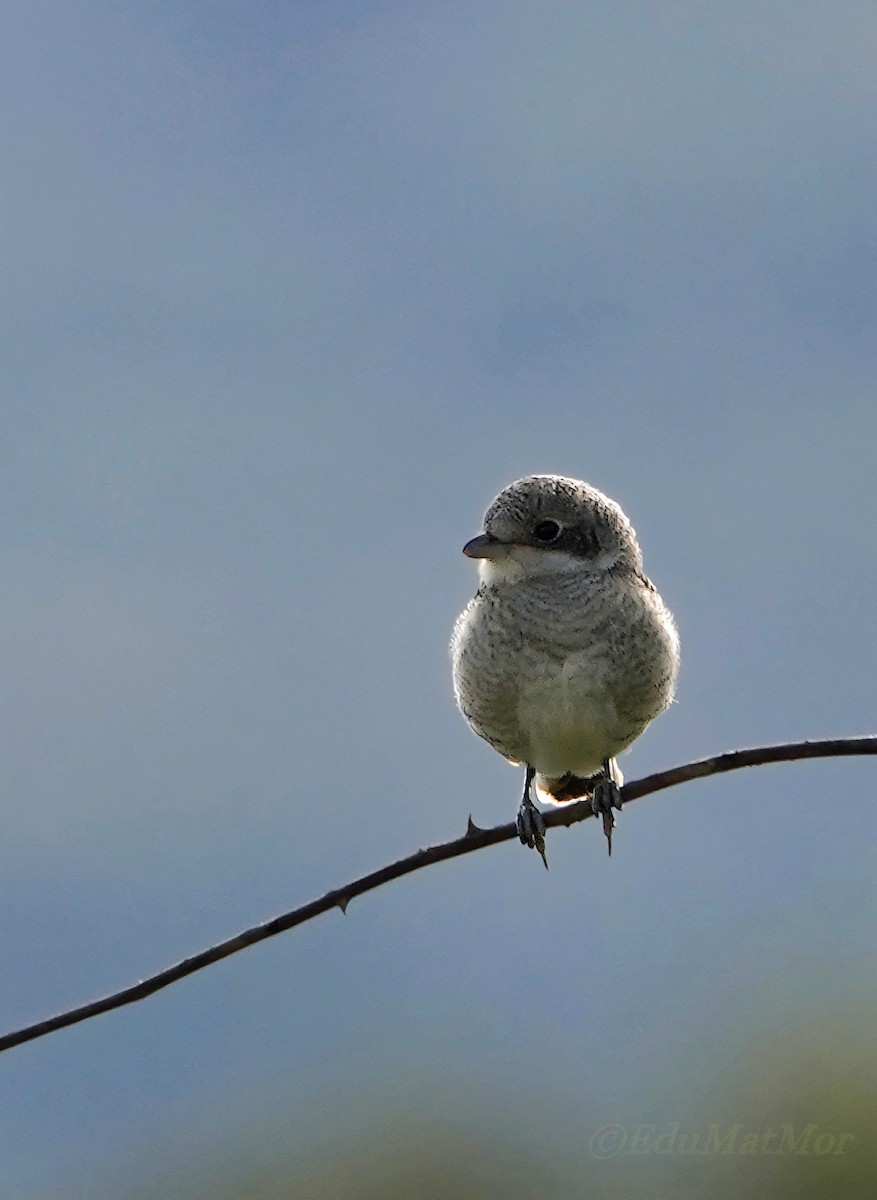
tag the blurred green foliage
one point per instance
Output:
(794, 1119)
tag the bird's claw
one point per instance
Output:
(606, 797)
(531, 828)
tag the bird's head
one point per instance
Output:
(545, 524)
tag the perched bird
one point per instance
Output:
(566, 652)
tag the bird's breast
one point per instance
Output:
(563, 673)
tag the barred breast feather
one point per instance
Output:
(565, 670)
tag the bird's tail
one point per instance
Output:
(572, 787)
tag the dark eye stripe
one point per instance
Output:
(589, 543)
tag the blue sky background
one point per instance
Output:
(290, 292)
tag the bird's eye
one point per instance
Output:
(547, 531)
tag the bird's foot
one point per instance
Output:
(530, 823)
(605, 798)
(531, 828)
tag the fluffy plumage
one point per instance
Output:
(566, 652)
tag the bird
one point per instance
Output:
(566, 652)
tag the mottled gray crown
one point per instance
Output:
(555, 513)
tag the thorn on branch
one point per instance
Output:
(568, 815)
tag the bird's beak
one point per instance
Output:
(486, 546)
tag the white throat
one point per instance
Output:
(522, 562)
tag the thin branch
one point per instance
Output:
(473, 839)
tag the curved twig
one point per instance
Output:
(473, 839)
